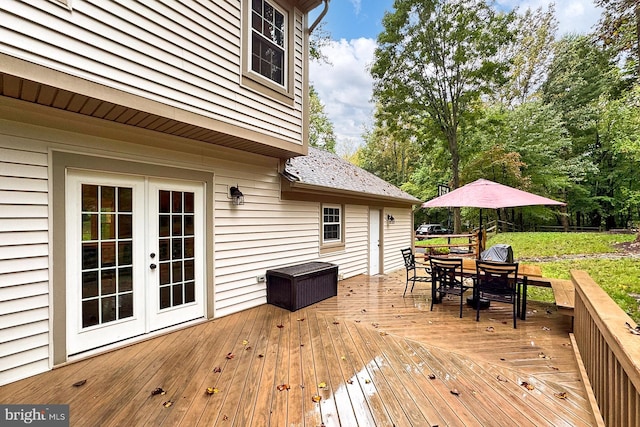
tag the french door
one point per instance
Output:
(135, 253)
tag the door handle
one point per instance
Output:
(153, 266)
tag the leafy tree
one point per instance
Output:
(389, 155)
(321, 132)
(580, 75)
(530, 53)
(619, 28)
(435, 58)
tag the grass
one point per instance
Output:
(620, 278)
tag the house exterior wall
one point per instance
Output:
(186, 55)
(264, 233)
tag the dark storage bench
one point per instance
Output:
(301, 285)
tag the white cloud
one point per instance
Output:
(357, 6)
(345, 85)
(574, 16)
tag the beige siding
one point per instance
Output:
(24, 262)
(183, 54)
(397, 236)
(354, 259)
(264, 233)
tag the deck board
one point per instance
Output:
(373, 348)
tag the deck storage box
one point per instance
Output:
(301, 285)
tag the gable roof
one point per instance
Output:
(323, 171)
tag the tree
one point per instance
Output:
(619, 28)
(434, 58)
(321, 133)
(581, 76)
(530, 53)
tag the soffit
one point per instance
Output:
(42, 94)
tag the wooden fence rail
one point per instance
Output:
(609, 351)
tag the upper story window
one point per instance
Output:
(268, 41)
(331, 223)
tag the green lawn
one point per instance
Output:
(620, 278)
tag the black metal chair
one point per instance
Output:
(497, 281)
(446, 277)
(410, 266)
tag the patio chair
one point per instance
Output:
(412, 274)
(497, 281)
(446, 276)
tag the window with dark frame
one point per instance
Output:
(331, 224)
(268, 41)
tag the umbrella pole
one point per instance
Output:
(480, 237)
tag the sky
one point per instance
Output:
(344, 85)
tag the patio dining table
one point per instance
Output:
(528, 274)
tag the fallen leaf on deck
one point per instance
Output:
(383, 334)
(217, 370)
(455, 392)
(212, 390)
(230, 356)
(301, 320)
(316, 398)
(490, 329)
(527, 385)
(245, 342)
(543, 356)
(500, 378)
(561, 395)
(635, 331)
(432, 376)
(225, 418)
(367, 381)
(283, 387)
(167, 403)
(349, 381)
(158, 391)
(80, 383)
(322, 385)
(343, 358)
(545, 328)
(281, 326)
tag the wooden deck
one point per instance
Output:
(373, 357)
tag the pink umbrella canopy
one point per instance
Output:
(490, 195)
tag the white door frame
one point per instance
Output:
(374, 241)
(146, 313)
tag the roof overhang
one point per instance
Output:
(299, 191)
(40, 85)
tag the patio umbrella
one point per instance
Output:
(490, 195)
(485, 194)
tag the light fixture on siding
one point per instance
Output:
(390, 219)
(236, 196)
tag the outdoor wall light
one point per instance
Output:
(236, 196)
(390, 219)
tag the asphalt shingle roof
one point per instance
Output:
(324, 169)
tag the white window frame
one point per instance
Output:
(339, 223)
(279, 43)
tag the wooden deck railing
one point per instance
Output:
(609, 351)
